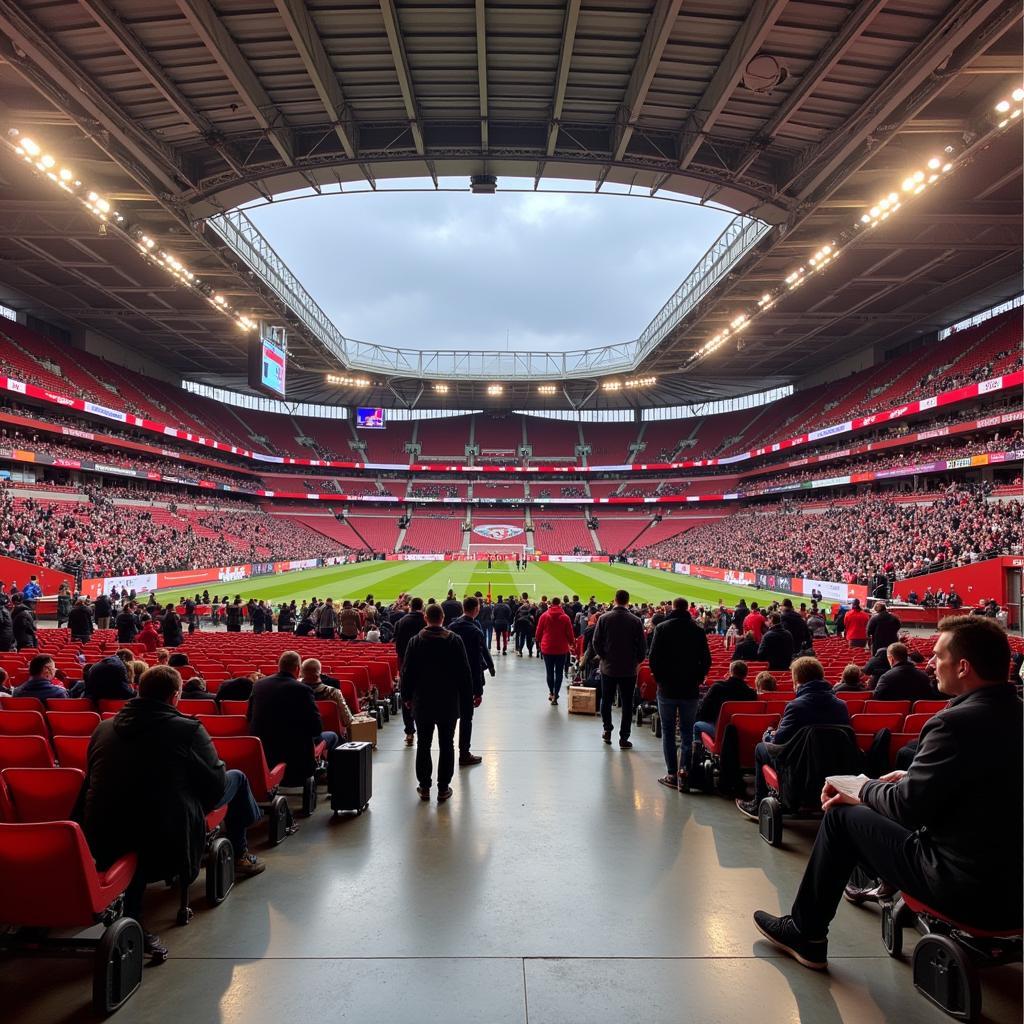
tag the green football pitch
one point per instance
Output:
(385, 580)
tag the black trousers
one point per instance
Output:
(852, 835)
(408, 721)
(425, 725)
(465, 725)
(625, 685)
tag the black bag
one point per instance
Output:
(350, 777)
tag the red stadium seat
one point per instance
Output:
(234, 707)
(330, 716)
(72, 751)
(929, 707)
(42, 794)
(72, 723)
(915, 723)
(23, 723)
(111, 706)
(74, 704)
(226, 725)
(887, 707)
(25, 752)
(246, 754)
(198, 706)
(23, 704)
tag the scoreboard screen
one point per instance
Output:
(268, 364)
(370, 419)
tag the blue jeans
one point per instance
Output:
(668, 711)
(243, 810)
(698, 728)
(554, 664)
(332, 739)
(488, 635)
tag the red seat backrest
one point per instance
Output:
(930, 707)
(348, 691)
(72, 723)
(42, 794)
(330, 716)
(246, 754)
(887, 707)
(736, 707)
(750, 730)
(872, 723)
(75, 704)
(226, 725)
(111, 706)
(234, 707)
(915, 723)
(23, 704)
(199, 706)
(25, 752)
(48, 878)
(72, 751)
(23, 723)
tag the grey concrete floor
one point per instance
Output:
(560, 884)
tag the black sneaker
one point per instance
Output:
(783, 933)
(748, 808)
(625, 745)
(154, 948)
(607, 737)
(881, 893)
(424, 792)
(444, 794)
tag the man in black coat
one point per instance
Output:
(436, 681)
(948, 830)
(6, 629)
(502, 617)
(23, 624)
(883, 628)
(904, 681)
(679, 660)
(170, 627)
(618, 642)
(80, 623)
(284, 715)
(126, 625)
(451, 607)
(152, 777)
(733, 688)
(794, 624)
(479, 658)
(102, 608)
(408, 626)
(776, 645)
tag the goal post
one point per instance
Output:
(497, 552)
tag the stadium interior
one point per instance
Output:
(827, 411)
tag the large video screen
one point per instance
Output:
(370, 419)
(268, 364)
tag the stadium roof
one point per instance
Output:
(800, 115)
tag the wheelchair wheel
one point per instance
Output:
(656, 722)
(945, 975)
(220, 871)
(386, 708)
(769, 821)
(639, 716)
(278, 825)
(117, 966)
(309, 796)
(708, 781)
(892, 927)
(378, 713)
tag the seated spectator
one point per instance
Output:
(814, 704)
(136, 669)
(746, 649)
(148, 636)
(948, 830)
(40, 684)
(311, 675)
(733, 688)
(904, 681)
(283, 714)
(875, 667)
(852, 679)
(194, 688)
(239, 688)
(80, 623)
(5, 685)
(777, 644)
(107, 680)
(765, 683)
(163, 656)
(179, 660)
(150, 748)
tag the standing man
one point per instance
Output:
(436, 681)
(405, 629)
(502, 617)
(555, 639)
(619, 644)
(102, 608)
(883, 628)
(451, 607)
(468, 630)
(855, 625)
(680, 659)
(485, 620)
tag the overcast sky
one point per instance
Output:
(454, 270)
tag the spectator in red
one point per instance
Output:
(148, 635)
(555, 638)
(754, 622)
(855, 625)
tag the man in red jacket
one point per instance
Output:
(755, 622)
(855, 625)
(555, 638)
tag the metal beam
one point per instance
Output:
(156, 159)
(850, 31)
(401, 60)
(224, 50)
(747, 41)
(961, 22)
(659, 29)
(306, 37)
(481, 68)
(572, 17)
(133, 48)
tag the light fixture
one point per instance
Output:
(348, 382)
(611, 385)
(441, 389)
(495, 389)
(1002, 106)
(547, 389)
(641, 382)
(29, 147)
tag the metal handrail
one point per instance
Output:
(246, 240)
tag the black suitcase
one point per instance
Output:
(350, 777)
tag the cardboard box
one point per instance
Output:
(363, 730)
(582, 700)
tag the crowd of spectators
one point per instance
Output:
(856, 542)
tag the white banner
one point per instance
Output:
(828, 590)
(140, 584)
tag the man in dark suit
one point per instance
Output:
(794, 624)
(777, 644)
(904, 680)
(619, 643)
(283, 714)
(947, 831)
(883, 628)
(479, 657)
(814, 704)
(436, 681)
(451, 607)
(408, 626)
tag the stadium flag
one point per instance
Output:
(488, 588)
